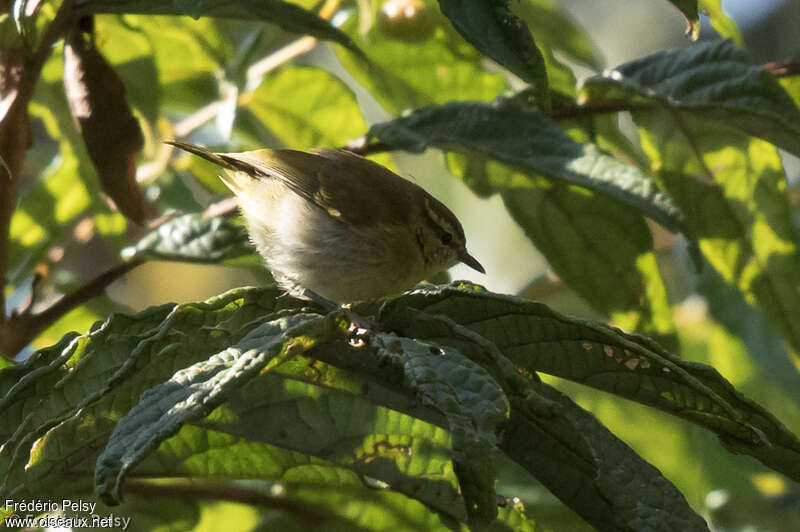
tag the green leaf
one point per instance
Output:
(306, 107)
(764, 343)
(730, 186)
(143, 90)
(556, 29)
(732, 190)
(563, 446)
(192, 393)
(86, 383)
(405, 75)
(499, 34)
(131, 38)
(289, 17)
(526, 140)
(471, 413)
(243, 413)
(299, 424)
(74, 394)
(724, 25)
(600, 248)
(537, 339)
(193, 237)
(713, 81)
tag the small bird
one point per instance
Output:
(338, 225)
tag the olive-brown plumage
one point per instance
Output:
(340, 225)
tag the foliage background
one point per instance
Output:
(173, 67)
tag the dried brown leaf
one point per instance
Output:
(112, 135)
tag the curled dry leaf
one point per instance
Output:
(112, 135)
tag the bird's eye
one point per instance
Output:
(446, 238)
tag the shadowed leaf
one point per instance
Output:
(526, 140)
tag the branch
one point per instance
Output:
(309, 513)
(18, 77)
(602, 107)
(20, 329)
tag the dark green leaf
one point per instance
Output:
(713, 81)
(563, 446)
(495, 31)
(193, 237)
(333, 421)
(526, 140)
(191, 394)
(86, 383)
(537, 339)
(600, 248)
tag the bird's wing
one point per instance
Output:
(332, 180)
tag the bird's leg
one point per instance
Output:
(324, 302)
(359, 325)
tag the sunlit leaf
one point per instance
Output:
(713, 81)
(441, 68)
(306, 107)
(288, 16)
(721, 22)
(730, 185)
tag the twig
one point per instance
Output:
(280, 56)
(308, 513)
(196, 120)
(19, 329)
(362, 146)
(221, 208)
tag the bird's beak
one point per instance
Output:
(471, 261)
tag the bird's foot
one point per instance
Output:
(359, 327)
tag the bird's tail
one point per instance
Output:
(202, 152)
(239, 173)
